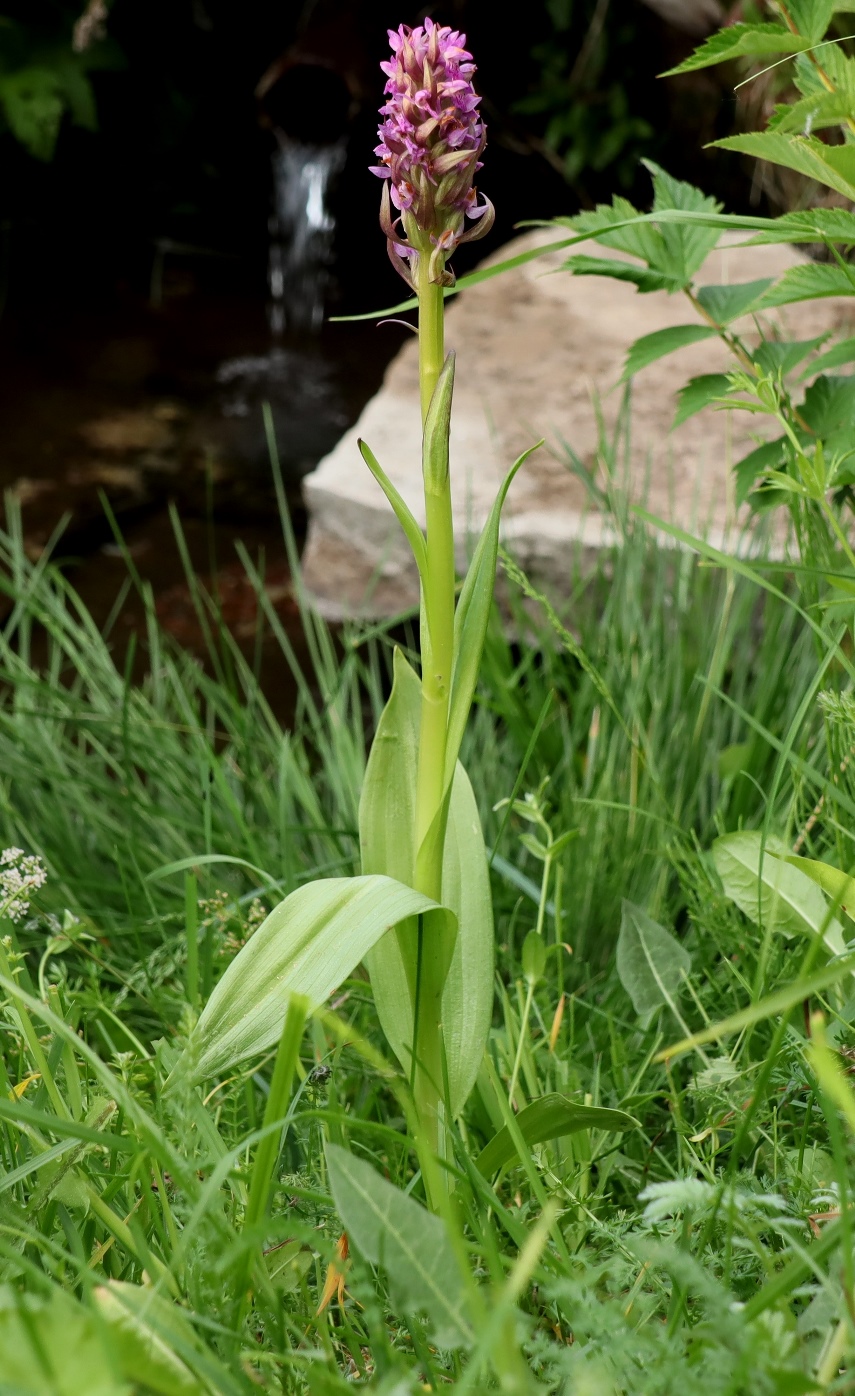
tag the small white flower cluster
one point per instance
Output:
(20, 875)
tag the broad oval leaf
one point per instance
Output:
(393, 1230)
(774, 893)
(307, 945)
(386, 828)
(551, 1117)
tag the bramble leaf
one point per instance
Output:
(741, 41)
(699, 393)
(651, 347)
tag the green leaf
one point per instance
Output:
(783, 355)
(54, 1348)
(145, 1326)
(829, 404)
(391, 1229)
(550, 1117)
(472, 618)
(833, 165)
(32, 101)
(741, 41)
(770, 456)
(687, 244)
(839, 887)
(405, 518)
(307, 945)
(534, 957)
(812, 281)
(643, 278)
(699, 393)
(813, 113)
(726, 303)
(435, 438)
(775, 894)
(835, 357)
(811, 225)
(811, 17)
(651, 347)
(651, 962)
(386, 829)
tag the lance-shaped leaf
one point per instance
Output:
(393, 1230)
(435, 440)
(837, 884)
(550, 1117)
(386, 834)
(472, 617)
(651, 963)
(771, 892)
(405, 518)
(307, 945)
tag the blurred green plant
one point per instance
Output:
(44, 79)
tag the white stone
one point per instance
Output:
(539, 354)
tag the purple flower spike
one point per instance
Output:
(431, 138)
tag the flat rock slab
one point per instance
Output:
(539, 354)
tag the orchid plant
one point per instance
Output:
(420, 914)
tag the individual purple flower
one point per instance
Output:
(431, 138)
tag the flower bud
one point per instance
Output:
(431, 139)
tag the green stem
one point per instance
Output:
(431, 334)
(437, 651)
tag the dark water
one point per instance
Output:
(157, 399)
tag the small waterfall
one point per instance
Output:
(301, 232)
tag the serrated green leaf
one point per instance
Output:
(783, 355)
(832, 165)
(307, 945)
(774, 894)
(687, 244)
(837, 884)
(829, 404)
(726, 303)
(741, 41)
(651, 347)
(770, 456)
(835, 357)
(811, 225)
(642, 277)
(699, 393)
(650, 961)
(386, 830)
(391, 1229)
(813, 113)
(811, 17)
(551, 1117)
(811, 281)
